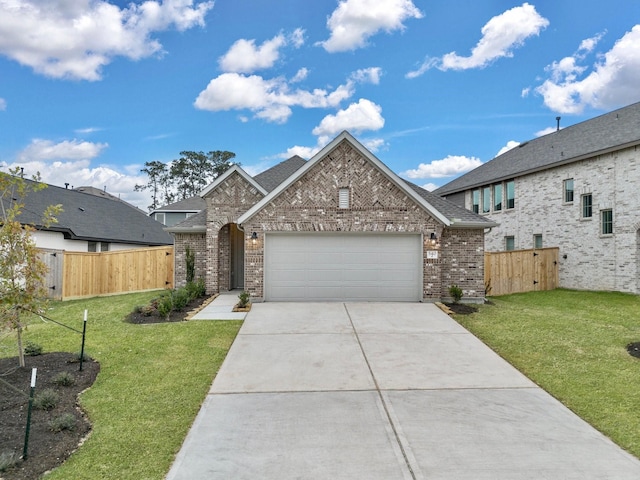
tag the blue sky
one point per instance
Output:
(91, 90)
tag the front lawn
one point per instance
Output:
(573, 344)
(152, 381)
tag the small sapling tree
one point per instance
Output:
(21, 271)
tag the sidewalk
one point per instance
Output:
(382, 391)
(221, 308)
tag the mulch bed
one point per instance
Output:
(174, 316)
(462, 308)
(634, 349)
(46, 449)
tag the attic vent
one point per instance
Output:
(343, 198)
(522, 144)
(81, 209)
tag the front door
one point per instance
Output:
(237, 257)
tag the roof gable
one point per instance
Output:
(325, 153)
(606, 133)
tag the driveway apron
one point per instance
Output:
(382, 391)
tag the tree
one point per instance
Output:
(158, 174)
(195, 170)
(184, 177)
(22, 273)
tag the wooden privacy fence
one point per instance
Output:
(521, 271)
(83, 274)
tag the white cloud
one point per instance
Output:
(546, 131)
(357, 117)
(71, 162)
(367, 75)
(45, 150)
(304, 152)
(430, 187)
(3, 104)
(355, 21)
(245, 57)
(88, 130)
(610, 83)
(589, 44)
(374, 144)
(447, 167)
(75, 39)
(500, 36)
(300, 75)
(510, 144)
(273, 99)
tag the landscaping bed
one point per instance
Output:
(46, 448)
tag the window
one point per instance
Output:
(104, 246)
(497, 197)
(486, 200)
(537, 240)
(509, 243)
(92, 247)
(606, 217)
(568, 190)
(343, 198)
(511, 194)
(476, 201)
(587, 205)
(160, 218)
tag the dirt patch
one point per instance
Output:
(151, 315)
(634, 349)
(461, 308)
(46, 449)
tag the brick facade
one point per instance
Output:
(233, 197)
(376, 205)
(198, 243)
(311, 204)
(589, 260)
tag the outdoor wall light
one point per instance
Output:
(434, 238)
(254, 237)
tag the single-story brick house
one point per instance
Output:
(341, 226)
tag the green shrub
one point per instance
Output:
(179, 298)
(165, 305)
(32, 349)
(244, 298)
(8, 460)
(66, 421)
(64, 379)
(456, 293)
(146, 310)
(47, 399)
(196, 289)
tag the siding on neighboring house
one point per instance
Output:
(599, 162)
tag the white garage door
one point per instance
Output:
(367, 267)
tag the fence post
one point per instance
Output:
(84, 333)
(34, 371)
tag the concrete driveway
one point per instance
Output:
(382, 391)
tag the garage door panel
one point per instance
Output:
(365, 267)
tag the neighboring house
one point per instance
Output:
(341, 226)
(577, 189)
(90, 223)
(174, 213)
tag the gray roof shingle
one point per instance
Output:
(94, 218)
(192, 204)
(601, 134)
(274, 176)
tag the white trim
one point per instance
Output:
(366, 153)
(235, 169)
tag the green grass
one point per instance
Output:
(572, 344)
(152, 381)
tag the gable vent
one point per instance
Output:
(343, 198)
